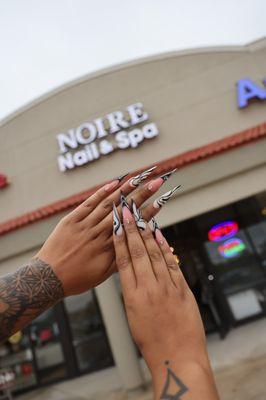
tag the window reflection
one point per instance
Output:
(89, 337)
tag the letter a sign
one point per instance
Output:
(247, 90)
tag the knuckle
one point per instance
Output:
(155, 256)
(137, 252)
(107, 204)
(108, 246)
(87, 203)
(171, 264)
(123, 262)
(66, 219)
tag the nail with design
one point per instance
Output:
(157, 183)
(159, 236)
(154, 225)
(117, 226)
(112, 185)
(160, 201)
(121, 177)
(167, 175)
(138, 179)
(141, 224)
(123, 201)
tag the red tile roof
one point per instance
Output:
(180, 161)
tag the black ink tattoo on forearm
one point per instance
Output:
(25, 294)
(174, 388)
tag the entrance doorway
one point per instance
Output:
(223, 258)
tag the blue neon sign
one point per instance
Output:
(247, 90)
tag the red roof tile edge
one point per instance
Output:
(179, 161)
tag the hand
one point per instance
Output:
(80, 249)
(162, 312)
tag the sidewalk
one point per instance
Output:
(239, 363)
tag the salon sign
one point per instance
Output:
(91, 140)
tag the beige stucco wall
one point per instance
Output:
(192, 99)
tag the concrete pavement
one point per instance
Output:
(239, 363)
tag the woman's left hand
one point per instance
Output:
(80, 249)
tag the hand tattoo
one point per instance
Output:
(174, 388)
(25, 294)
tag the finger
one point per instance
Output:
(104, 207)
(146, 191)
(170, 260)
(139, 256)
(123, 259)
(152, 209)
(156, 257)
(85, 208)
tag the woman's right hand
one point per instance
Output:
(80, 249)
(162, 312)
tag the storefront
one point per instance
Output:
(202, 112)
(223, 255)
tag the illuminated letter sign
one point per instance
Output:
(222, 231)
(231, 248)
(247, 90)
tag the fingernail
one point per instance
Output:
(155, 184)
(110, 186)
(121, 177)
(117, 226)
(127, 216)
(167, 175)
(141, 224)
(123, 201)
(138, 179)
(154, 225)
(159, 236)
(160, 201)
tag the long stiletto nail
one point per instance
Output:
(116, 222)
(127, 216)
(158, 203)
(111, 186)
(123, 201)
(141, 224)
(138, 179)
(159, 236)
(154, 225)
(121, 177)
(155, 184)
(167, 175)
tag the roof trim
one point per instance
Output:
(180, 161)
(128, 64)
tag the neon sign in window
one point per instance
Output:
(223, 230)
(231, 248)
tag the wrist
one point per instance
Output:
(193, 379)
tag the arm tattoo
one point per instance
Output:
(174, 388)
(25, 294)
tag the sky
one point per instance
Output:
(44, 44)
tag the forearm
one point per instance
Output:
(192, 381)
(25, 294)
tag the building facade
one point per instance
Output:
(200, 111)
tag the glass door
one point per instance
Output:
(236, 271)
(88, 332)
(47, 349)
